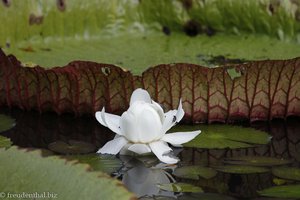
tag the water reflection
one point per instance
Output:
(142, 175)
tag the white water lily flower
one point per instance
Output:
(142, 128)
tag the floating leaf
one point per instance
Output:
(104, 163)
(6, 122)
(205, 196)
(291, 173)
(72, 147)
(5, 142)
(256, 161)
(240, 169)
(180, 187)
(285, 191)
(194, 172)
(279, 181)
(225, 136)
(265, 90)
(29, 172)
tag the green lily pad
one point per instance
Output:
(72, 147)
(194, 172)
(225, 136)
(285, 191)
(205, 196)
(104, 163)
(51, 34)
(256, 161)
(5, 142)
(29, 172)
(180, 187)
(291, 173)
(240, 169)
(6, 122)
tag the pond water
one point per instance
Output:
(145, 176)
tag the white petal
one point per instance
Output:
(109, 120)
(160, 149)
(140, 95)
(99, 118)
(140, 148)
(172, 117)
(149, 125)
(180, 137)
(129, 126)
(169, 121)
(113, 146)
(180, 112)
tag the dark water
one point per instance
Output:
(141, 175)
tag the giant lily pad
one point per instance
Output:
(285, 191)
(6, 122)
(101, 30)
(195, 172)
(256, 161)
(291, 173)
(240, 169)
(104, 163)
(28, 172)
(5, 142)
(225, 136)
(71, 147)
(180, 187)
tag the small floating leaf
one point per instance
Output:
(205, 196)
(256, 161)
(5, 142)
(286, 191)
(291, 173)
(105, 163)
(240, 169)
(279, 181)
(6, 122)
(72, 147)
(194, 172)
(225, 136)
(180, 187)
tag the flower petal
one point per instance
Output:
(172, 117)
(169, 121)
(140, 95)
(180, 112)
(113, 146)
(160, 149)
(109, 120)
(140, 148)
(180, 137)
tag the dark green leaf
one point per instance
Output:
(180, 187)
(5, 142)
(240, 169)
(291, 173)
(194, 172)
(286, 191)
(72, 147)
(225, 136)
(256, 161)
(105, 163)
(6, 122)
